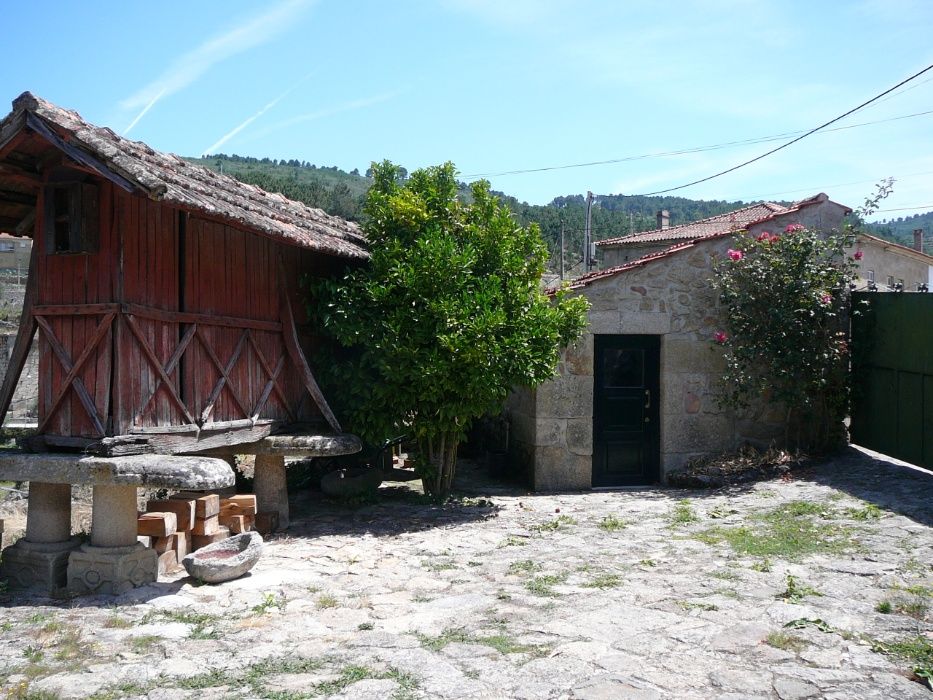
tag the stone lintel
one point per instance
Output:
(163, 471)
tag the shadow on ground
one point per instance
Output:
(887, 484)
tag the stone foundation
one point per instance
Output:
(111, 570)
(37, 565)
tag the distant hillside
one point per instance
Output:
(342, 194)
(901, 229)
(331, 189)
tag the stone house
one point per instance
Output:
(635, 398)
(885, 264)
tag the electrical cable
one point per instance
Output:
(793, 141)
(695, 149)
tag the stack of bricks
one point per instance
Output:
(189, 520)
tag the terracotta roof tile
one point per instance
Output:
(721, 223)
(171, 179)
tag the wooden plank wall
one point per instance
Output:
(226, 272)
(148, 234)
(76, 278)
(233, 273)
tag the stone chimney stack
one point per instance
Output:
(664, 220)
(918, 239)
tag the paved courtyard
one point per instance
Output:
(815, 586)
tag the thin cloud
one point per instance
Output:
(328, 112)
(190, 66)
(236, 130)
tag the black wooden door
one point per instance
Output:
(626, 437)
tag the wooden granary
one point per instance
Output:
(164, 296)
(165, 302)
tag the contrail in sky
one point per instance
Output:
(328, 111)
(190, 66)
(145, 109)
(233, 132)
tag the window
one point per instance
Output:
(72, 218)
(891, 281)
(6, 246)
(871, 275)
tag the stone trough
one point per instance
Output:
(225, 560)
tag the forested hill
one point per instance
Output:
(901, 229)
(342, 194)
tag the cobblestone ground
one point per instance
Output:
(812, 587)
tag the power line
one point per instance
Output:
(924, 206)
(695, 149)
(793, 141)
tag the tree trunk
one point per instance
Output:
(441, 454)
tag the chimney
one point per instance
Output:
(918, 239)
(664, 220)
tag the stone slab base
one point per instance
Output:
(38, 565)
(111, 570)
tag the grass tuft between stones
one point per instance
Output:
(788, 532)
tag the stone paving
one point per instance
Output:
(655, 593)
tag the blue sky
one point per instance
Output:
(502, 85)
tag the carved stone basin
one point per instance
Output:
(225, 560)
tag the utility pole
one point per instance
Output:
(561, 246)
(587, 233)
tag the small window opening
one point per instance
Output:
(871, 275)
(71, 217)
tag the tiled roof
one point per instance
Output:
(722, 223)
(718, 230)
(591, 277)
(896, 247)
(168, 178)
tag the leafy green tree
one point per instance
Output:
(445, 319)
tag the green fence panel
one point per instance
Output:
(892, 365)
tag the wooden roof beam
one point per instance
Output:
(76, 154)
(14, 197)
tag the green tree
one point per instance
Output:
(445, 319)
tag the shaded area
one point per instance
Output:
(896, 487)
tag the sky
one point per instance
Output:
(498, 86)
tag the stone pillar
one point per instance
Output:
(113, 562)
(113, 520)
(40, 559)
(49, 516)
(270, 487)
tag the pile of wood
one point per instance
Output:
(188, 520)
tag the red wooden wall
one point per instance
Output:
(198, 298)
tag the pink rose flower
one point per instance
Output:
(735, 254)
(792, 228)
(720, 337)
(858, 255)
(826, 298)
(764, 237)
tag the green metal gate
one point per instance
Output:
(892, 365)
